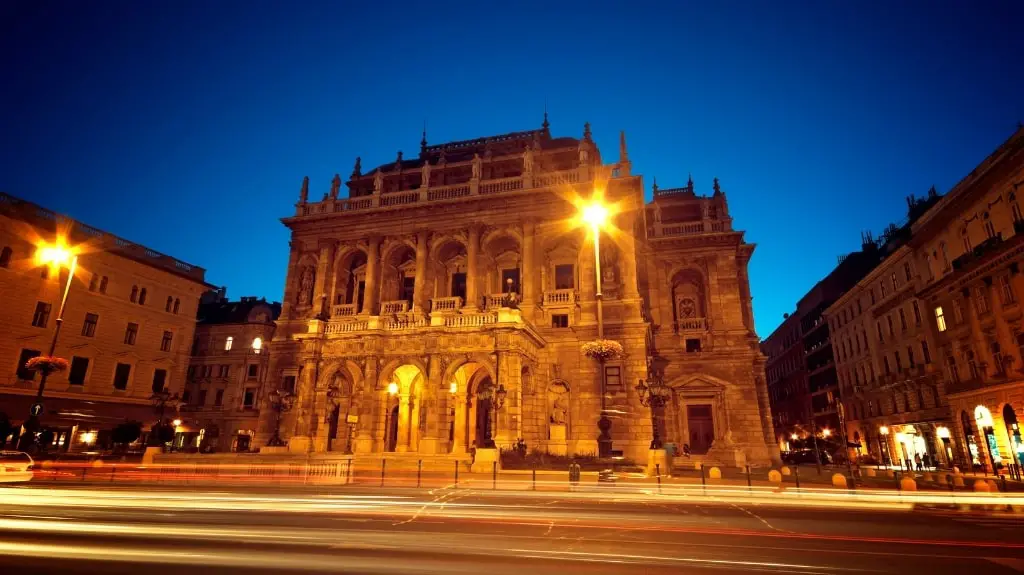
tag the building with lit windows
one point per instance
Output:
(970, 250)
(891, 387)
(443, 307)
(227, 373)
(128, 324)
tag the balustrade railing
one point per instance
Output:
(346, 327)
(688, 228)
(401, 323)
(399, 198)
(445, 304)
(556, 178)
(560, 297)
(343, 310)
(470, 320)
(502, 185)
(496, 300)
(393, 307)
(447, 192)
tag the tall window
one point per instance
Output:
(881, 286)
(917, 313)
(249, 398)
(165, 343)
(142, 296)
(924, 352)
(940, 318)
(1015, 210)
(227, 343)
(972, 364)
(130, 333)
(888, 320)
(982, 300)
(899, 364)
(134, 297)
(253, 371)
(257, 344)
(224, 370)
(218, 398)
(170, 302)
(958, 312)
(564, 276)
(5, 257)
(966, 239)
(89, 327)
(944, 250)
(510, 274)
(1007, 290)
(177, 303)
(879, 326)
(990, 230)
(408, 289)
(41, 317)
(910, 355)
(121, 374)
(903, 320)
(885, 364)
(22, 371)
(288, 383)
(79, 367)
(201, 401)
(906, 270)
(895, 282)
(613, 377)
(103, 284)
(159, 379)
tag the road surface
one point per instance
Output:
(156, 530)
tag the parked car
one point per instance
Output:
(799, 456)
(15, 466)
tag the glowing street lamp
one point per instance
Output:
(794, 437)
(57, 256)
(595, 214)
(826, 432)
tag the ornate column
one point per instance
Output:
(419, 297)
(459, 443)
(323, 270)
(364, 436)
(403, 421)
(371, 291)
(529, 271)
(472, 282)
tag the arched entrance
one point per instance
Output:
(972, 444)
(401, 408)
(484, 413)
(391, 429)
(472, 394)
(1013, 432)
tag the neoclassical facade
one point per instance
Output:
(446, 301)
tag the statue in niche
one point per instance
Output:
(477, 166)
(558, 396)
(378, 182)
(306, 286)
(584, 155)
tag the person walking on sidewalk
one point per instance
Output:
(917, 461)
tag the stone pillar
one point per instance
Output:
(459, 443)
(323, 270)
(1007, 345)
(403, 422)
(415, 405)
(371, 292)
(430, 440)
(302, 412)
(472, 282)
(364, 436)
(419, 299)
(529, 269)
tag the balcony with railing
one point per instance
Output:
(662, 230)
(429, 195)
(343, 310)
(445, 305)
(561, 297)
(394, 307)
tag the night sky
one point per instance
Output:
(188, 126)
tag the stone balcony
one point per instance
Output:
(343, 310)
(453, 192)
(659, 230)
(353, 326)
(446, 305)
(561, 297)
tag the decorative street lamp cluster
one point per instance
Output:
(653, 394)
(281, 401)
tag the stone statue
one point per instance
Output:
(426, 174)
(559, 410)
(477, 166)
(335, 186)
(304, 192)
(528, 160)
(358, 170)
(306, 286)
(378, 182)
(584, 155)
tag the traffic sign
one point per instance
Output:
(36, 410)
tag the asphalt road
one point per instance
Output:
(93, 529)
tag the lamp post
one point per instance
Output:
(392, 391)
(883, 442)
(595, 214)
(653, 394)
(161, 400)
(56, 256)
(281, 401)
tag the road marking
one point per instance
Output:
(1015, 564)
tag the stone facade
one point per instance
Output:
(970, 248)
(227, 373)
(399, 326)
(117, 284)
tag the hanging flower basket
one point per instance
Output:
(47, 364)
(602, 349)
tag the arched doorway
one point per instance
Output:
(401, 408)
(972, 444)
(1013, 431)
(391, 430)
(987, 428)
(484, 436)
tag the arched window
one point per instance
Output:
(142, 296)
(170, 302)
(5, 257)
(103, 284)
(177, 303)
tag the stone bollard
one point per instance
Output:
(908, 484)
(890, 473)
(927, 476)
(46, 464)
(839, 480)
(97, 463)
(958, 480)
(992, 487)
(696, 466)
(870, 472)
(715, 473)
(956, 470)
(786, 470)
(980, 486)
(774, 476)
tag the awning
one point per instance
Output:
(63, 411)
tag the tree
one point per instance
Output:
(125, 433)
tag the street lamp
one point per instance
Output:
(826, 432)
(653, 394)
(595, 214)
(56, 256)
(281, 401)
(884, 443)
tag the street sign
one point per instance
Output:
(352, 418)
(36, 410)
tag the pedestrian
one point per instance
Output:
(917, 461)
(927, 461)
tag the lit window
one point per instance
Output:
(940, 318)
(257, 345)
(228, 342)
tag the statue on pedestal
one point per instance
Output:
(306, 286)
(425, 175)
(477, 166)
(378, 182)
(528, 160)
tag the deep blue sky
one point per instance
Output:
(188, 126)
